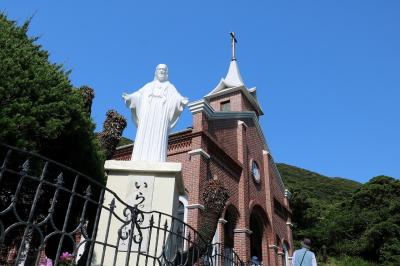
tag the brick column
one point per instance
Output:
(242, 243)
(273, 255)
(221, 231)
(280, 258)
(221, 240)
(198, 167)
(242, 232)
(272, 249)
(267, 188)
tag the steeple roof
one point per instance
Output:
(233, 82)
(233, 78)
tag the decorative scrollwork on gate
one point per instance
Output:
(49, 211)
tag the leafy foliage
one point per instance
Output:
(39, 108)
(348, 261)
(111, 135)
(368, 224)
(41, 111)
(88, 96)
(350, 218)
(314, 195)
(214, 196)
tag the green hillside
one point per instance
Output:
(350, 218)
(315, 185)
(313, 197)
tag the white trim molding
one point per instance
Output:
(201, 152)
(289, 224)
(222, 221)
(273, 247)
(200, 106)
(240, 122)
(288, 194)
(195, 206)
(184, 200)
(242, 230)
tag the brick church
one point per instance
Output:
(226, 142)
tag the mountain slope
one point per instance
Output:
(313, 196)
(316, 185)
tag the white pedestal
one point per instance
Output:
(152, 186)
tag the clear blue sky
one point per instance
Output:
(327, 72)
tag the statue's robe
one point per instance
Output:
(155, 110)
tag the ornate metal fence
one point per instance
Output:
(50, 215)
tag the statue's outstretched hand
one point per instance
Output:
(185, 101)
(125, 96)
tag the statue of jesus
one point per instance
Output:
(155, 111)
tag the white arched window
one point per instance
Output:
(181, 214)
(182, 208)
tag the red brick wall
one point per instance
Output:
(225, 132)
(246, 106)
(234, 98)
(239, 103)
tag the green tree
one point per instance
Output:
(375, 210)
(39, 108)
(367, 224)
(349, 218)
(41, 111)
(111, 134)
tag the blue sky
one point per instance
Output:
(327, 72)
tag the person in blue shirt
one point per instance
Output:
(303, 256)
(255, 261)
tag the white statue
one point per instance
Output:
(155, 110)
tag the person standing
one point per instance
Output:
(303, 256)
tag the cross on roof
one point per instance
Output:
(233, 41)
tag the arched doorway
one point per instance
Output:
(231, 217)
(258, 222)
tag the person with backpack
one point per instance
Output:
(303, 256)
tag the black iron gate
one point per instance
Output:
(50, 215)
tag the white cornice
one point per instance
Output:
(273, 247)
(240, 122)
(124, 146)
(200, 106)
(195, 206)
(243, 230)
(201, 152)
